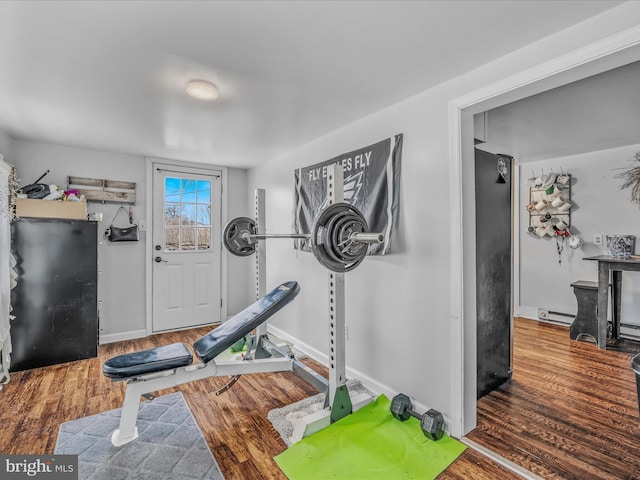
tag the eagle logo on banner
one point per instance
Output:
(352, 186)
(371, 184)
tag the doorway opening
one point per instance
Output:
(610, 53)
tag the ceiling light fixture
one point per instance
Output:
(202, 90)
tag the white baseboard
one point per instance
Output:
(119, 337)
(373, 385)
(526, 312)
(376, 387)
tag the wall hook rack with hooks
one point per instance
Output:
(550, 205)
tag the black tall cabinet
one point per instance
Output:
(56, 300)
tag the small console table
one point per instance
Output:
(611, 267)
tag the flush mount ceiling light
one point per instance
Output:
(202, 90)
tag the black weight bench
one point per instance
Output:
(156, 359)
(162, 367)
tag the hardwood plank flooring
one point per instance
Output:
(235, 423)
(570, 412)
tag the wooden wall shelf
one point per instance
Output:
(99, 190)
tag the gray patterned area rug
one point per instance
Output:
(170, 445)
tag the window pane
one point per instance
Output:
(188, 214)
(171, 239)
(204, 239)
(204, 191)
(204, 215)
(188, 190)
(187, 211)
(188, 238)
(172, 189)
(172, 214)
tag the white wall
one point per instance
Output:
(600, 207)
(240, 281)
(399, 306)
(5, 146)
(121, 283)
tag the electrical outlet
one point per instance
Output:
(597, 239)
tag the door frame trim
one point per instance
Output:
(605, 54)
(151, 162)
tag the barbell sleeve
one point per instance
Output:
(360, 237)
(366, 237)
(265, 236)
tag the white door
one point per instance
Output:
(186, 247)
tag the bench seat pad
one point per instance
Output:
(240, 325)
(156, 359)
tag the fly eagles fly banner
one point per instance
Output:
(371, 184)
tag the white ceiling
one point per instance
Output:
(111, 75)
(597, 113)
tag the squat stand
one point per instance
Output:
(338, 403)
(264, 347)
(261, 271)
(338, 395)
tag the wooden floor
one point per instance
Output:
(571, 411)
(235, 423)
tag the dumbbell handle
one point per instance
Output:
(414, 414)
(264, 236)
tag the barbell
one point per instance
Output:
(339, 238)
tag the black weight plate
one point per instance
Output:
(234, 236)
(328, 232)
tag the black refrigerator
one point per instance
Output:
(55, 302)
(493, 270)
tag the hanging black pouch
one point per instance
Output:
(122, 234)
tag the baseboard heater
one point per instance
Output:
(627, 330)
(555, 317)
(630, 331)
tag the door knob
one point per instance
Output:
(159, 259)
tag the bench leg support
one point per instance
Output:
(154, 382)
(127, 432)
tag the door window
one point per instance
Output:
(187, 215)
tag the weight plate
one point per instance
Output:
(330, 237)
(235, 238)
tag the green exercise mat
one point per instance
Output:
(369, 444)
